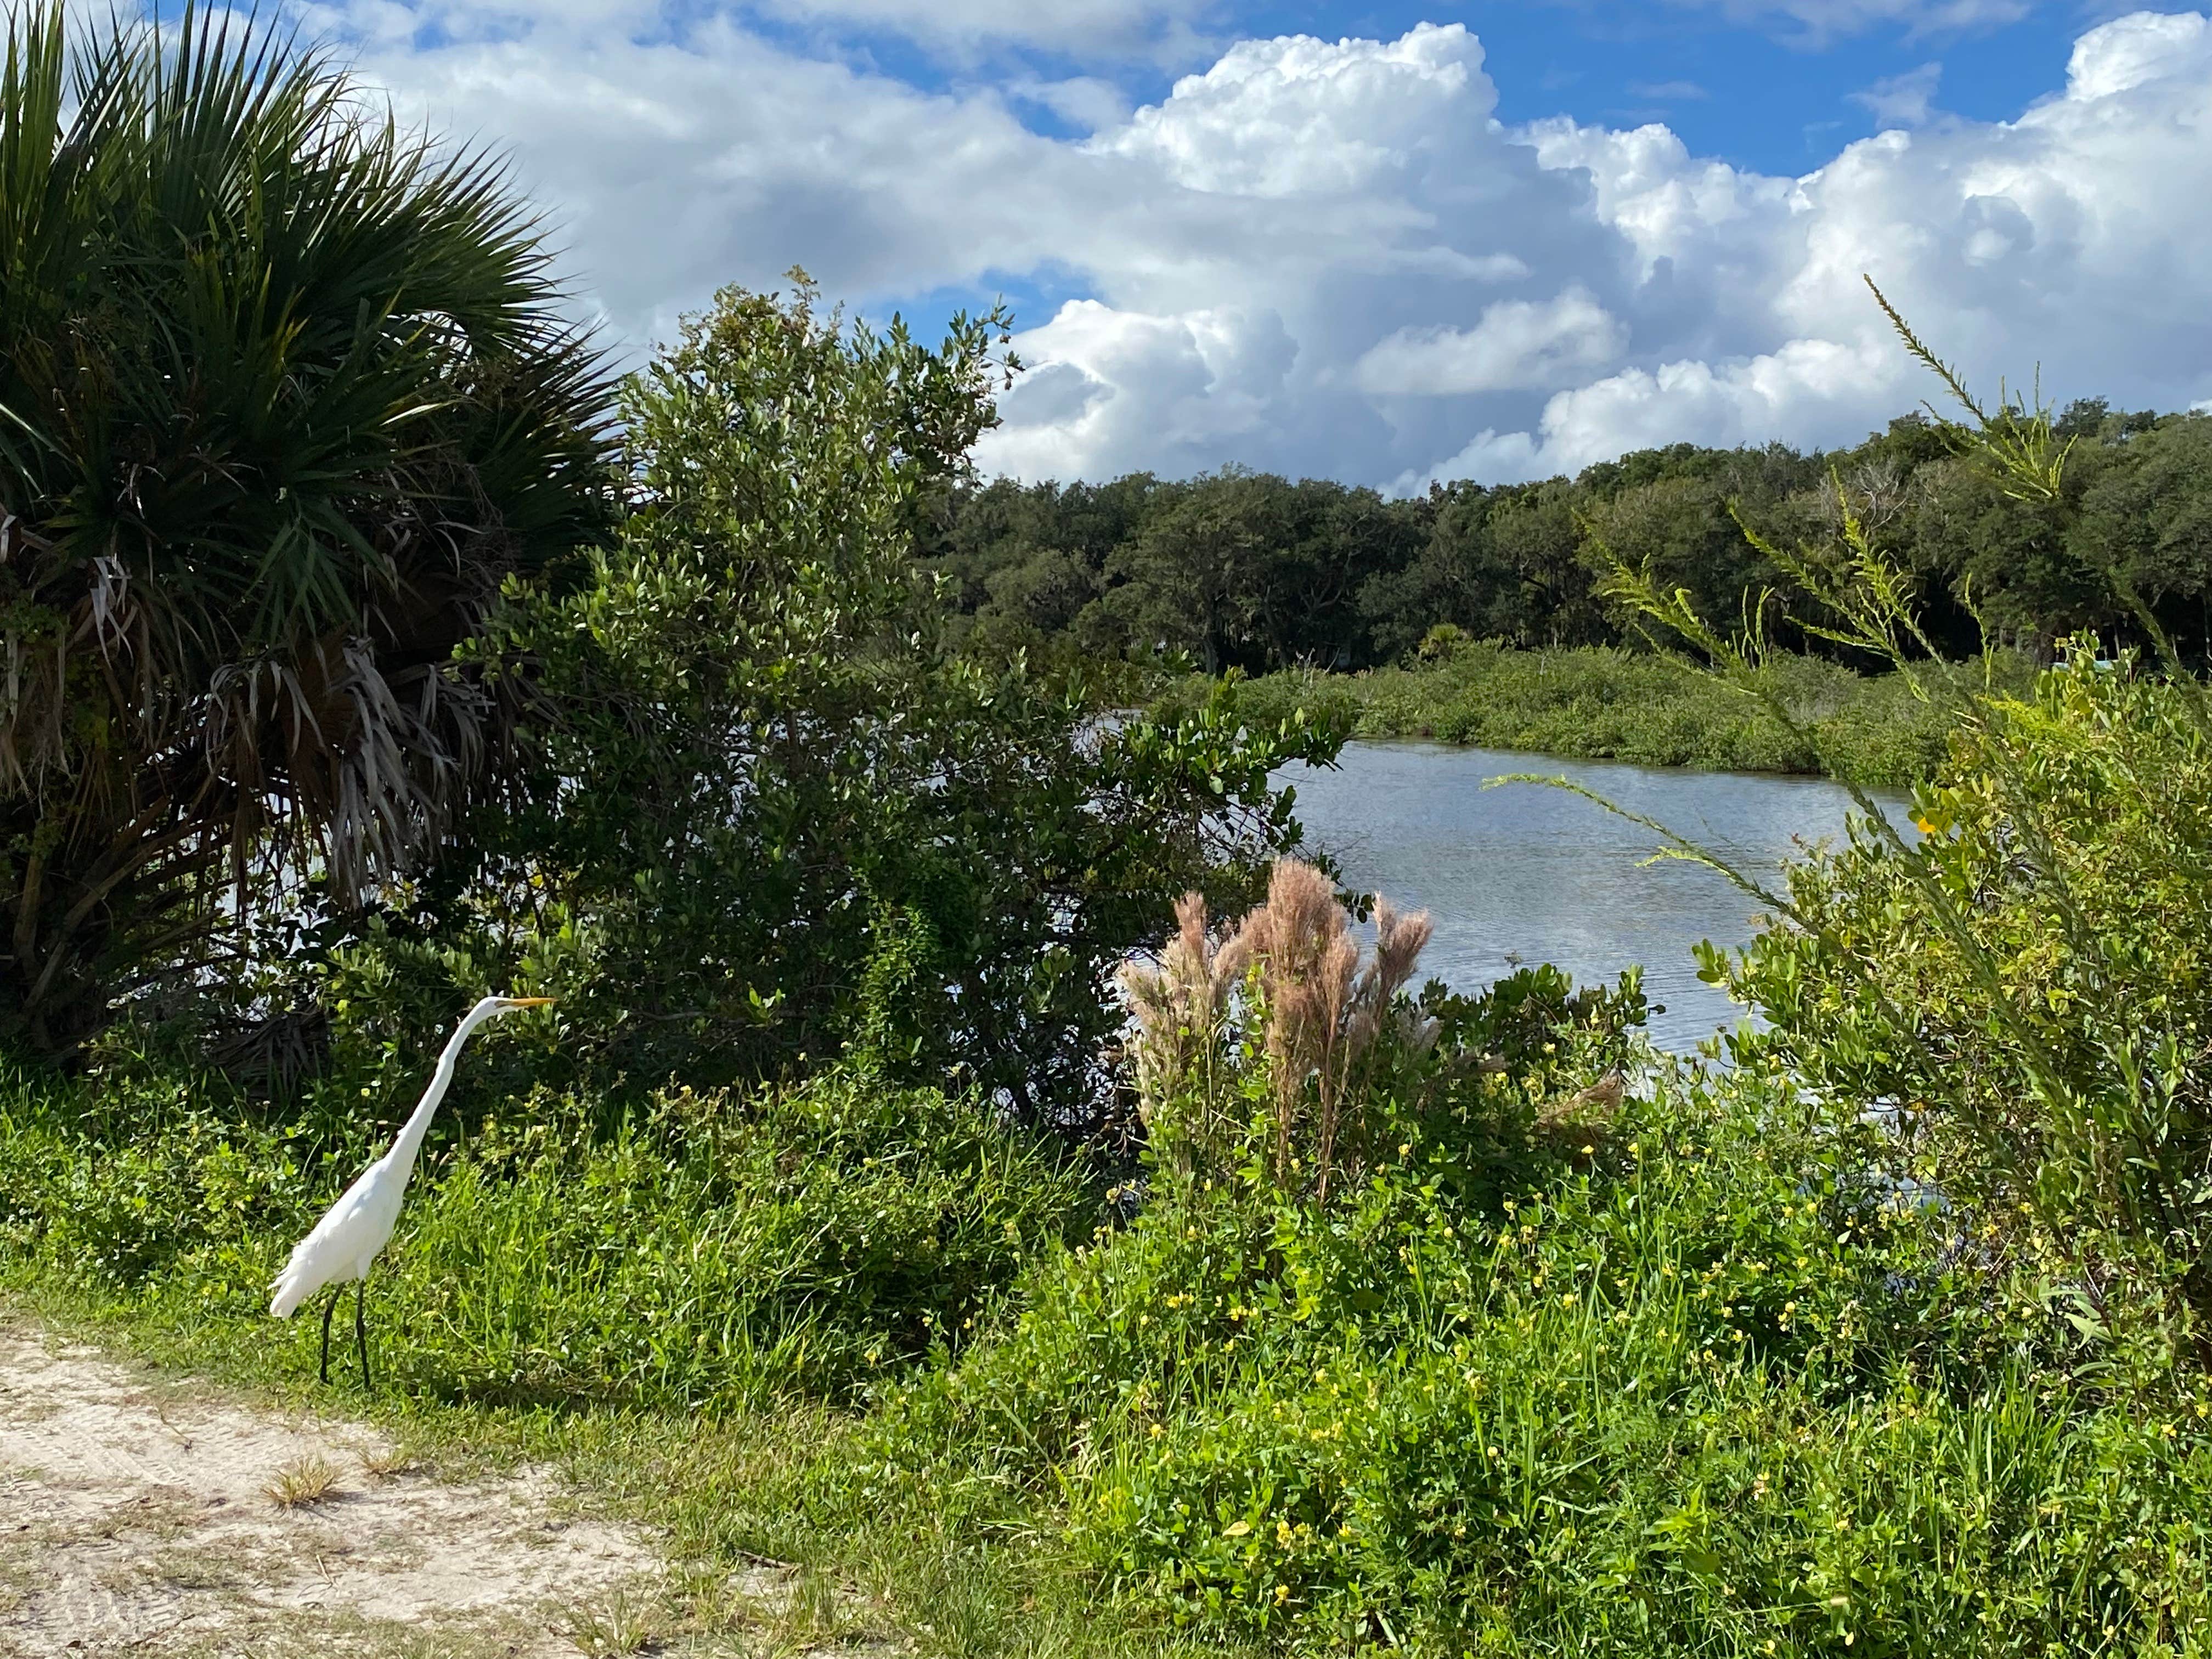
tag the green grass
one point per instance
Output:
(1678, 1382)
(1601, 703)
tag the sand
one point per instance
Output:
(136, 1517)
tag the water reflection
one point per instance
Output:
(1522, 874)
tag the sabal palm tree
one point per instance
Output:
(286, 393)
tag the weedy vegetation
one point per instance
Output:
(303, 1482)
(624, 1624)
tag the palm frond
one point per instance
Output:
(286, 393)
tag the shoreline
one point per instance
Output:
(1604, 704)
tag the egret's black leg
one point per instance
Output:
(329, 1308)
(360, 1326)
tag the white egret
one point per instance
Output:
(355, 1229)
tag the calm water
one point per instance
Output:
(1522, 874)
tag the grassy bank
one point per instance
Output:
(1601, 703)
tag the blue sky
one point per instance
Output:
(1768, 92)
(1765, 93)
(1384, 241)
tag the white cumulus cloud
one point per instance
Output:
(1175, 393)
(1331, 256)
(1520, 345)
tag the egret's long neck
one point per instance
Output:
(418, 1121)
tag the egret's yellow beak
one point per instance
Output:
(532, 1002)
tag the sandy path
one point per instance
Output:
(134, 1520)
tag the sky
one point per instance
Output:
(1375, 241)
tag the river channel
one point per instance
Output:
(1522, 874)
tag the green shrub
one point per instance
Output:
(1696, 1385)
(2022, 991)
(2026, 986)
(770, 768)
(1521, 1019)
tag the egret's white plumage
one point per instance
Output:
(347, 1239)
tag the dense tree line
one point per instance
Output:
(1252, 570)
